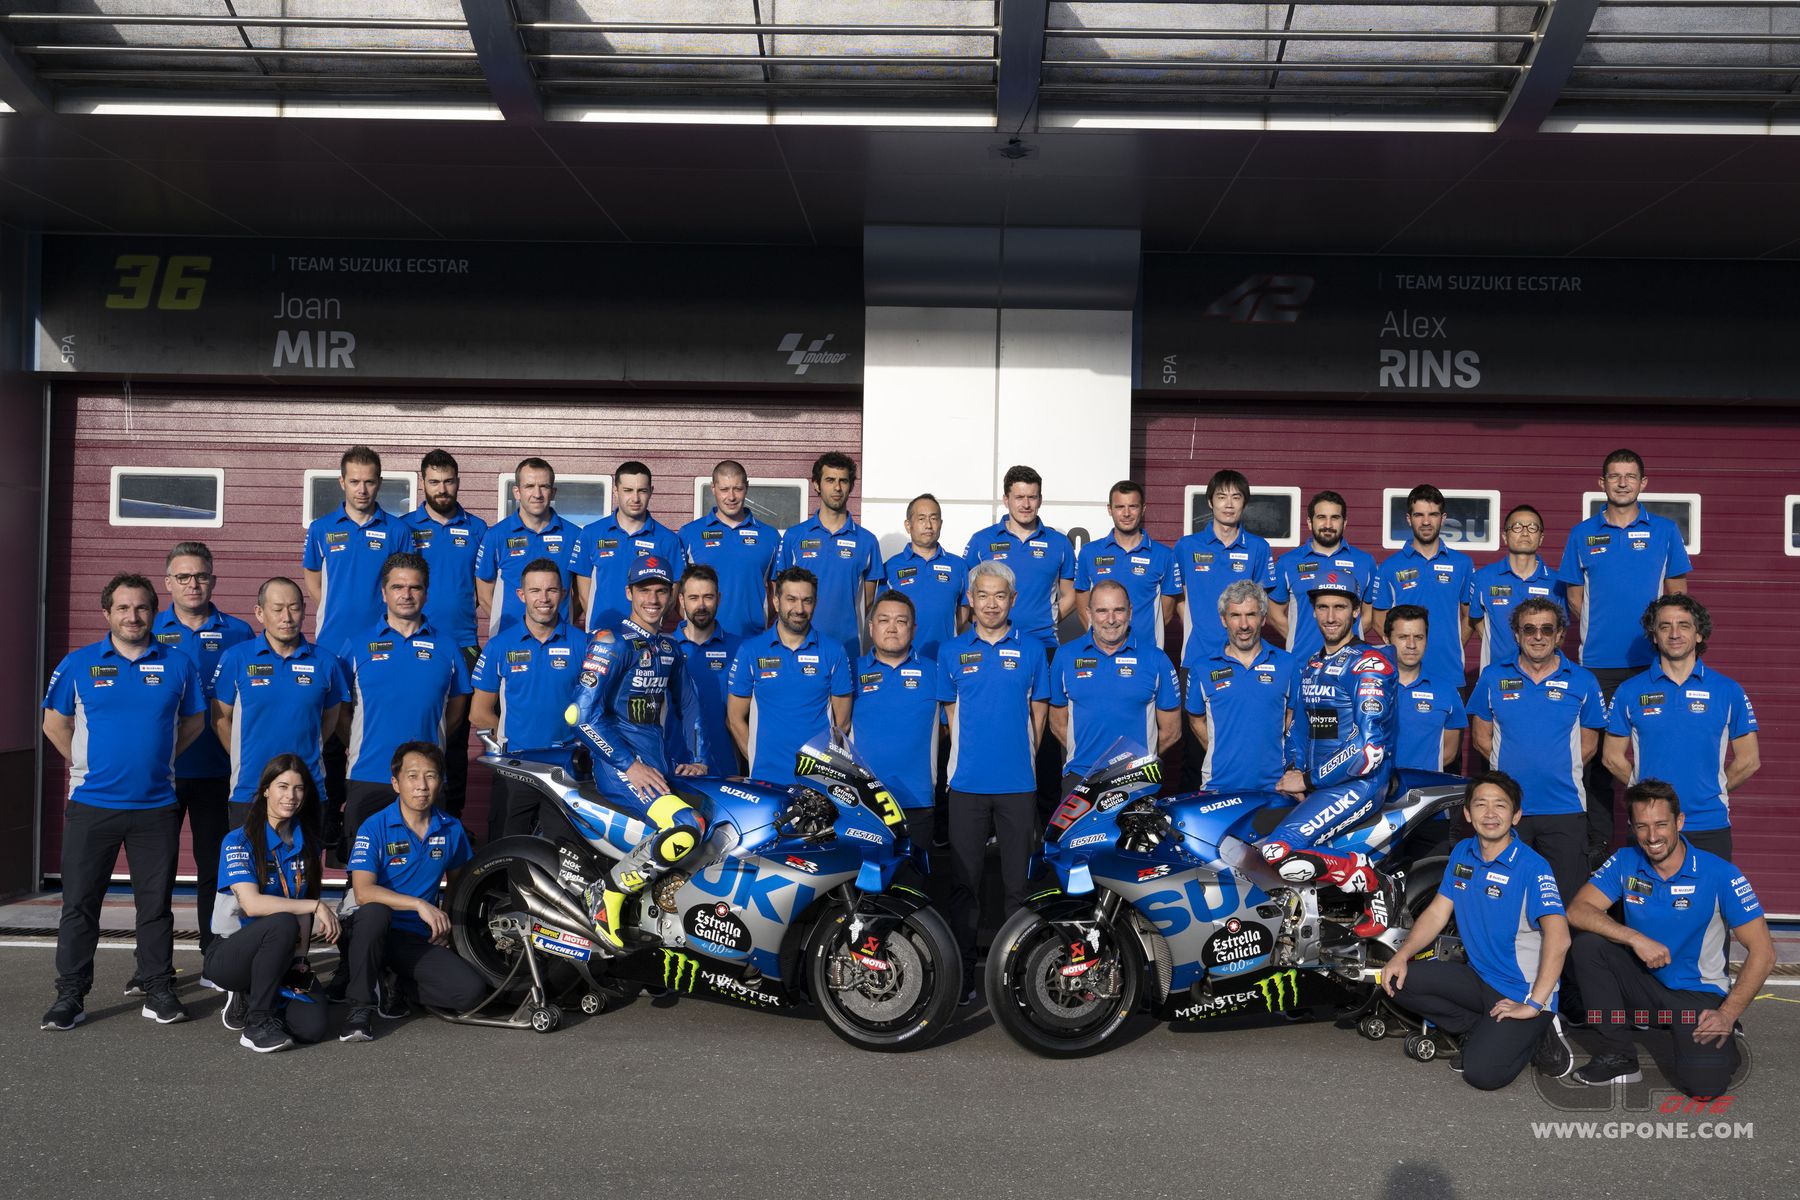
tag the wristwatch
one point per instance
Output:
(1534, 1004)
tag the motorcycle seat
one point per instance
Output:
(1266, 819)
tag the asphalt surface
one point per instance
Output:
(699, 1099)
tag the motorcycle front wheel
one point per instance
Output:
(899, 1001)
(1053, 1003)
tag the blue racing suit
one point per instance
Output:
(1342, 739)
(636, 700)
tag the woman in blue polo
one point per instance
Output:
(270, 867)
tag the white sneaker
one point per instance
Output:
(209, 985)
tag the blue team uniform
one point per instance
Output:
(709, 666)
(1500, 906)
(509, 547)
(1441, 586)
(1246, 712)
(1689, 913)
(1494, 591)
(1110, 696)
(126, 712)
(1148, 571)
(1681, 732)
(743, 555)
(1622, 570)
(277, 705)
(349, 557)
(790, 695)
(1209, 566)
(1427, 709)
(1306, 567)
(937, 587)
(1537, 730)
(534, 680)
(399, 685)
(1341, 739)
(604, 553)
(450, 551)
(895, 725)
(285, 864)
(993, 745)
(1039, 562)
(205, 758)
(403, 862)
(843, 561)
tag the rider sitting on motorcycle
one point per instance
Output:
(1340, 751)
(637, 712)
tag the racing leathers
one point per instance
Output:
(1342, 741)
(635, 702)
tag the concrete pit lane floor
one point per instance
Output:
(695, 1098)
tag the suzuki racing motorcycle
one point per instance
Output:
(1165, 906)
(794, 891)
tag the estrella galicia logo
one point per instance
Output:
(1280, 991)
(680, 971)
(1264, 300)
(813, 355)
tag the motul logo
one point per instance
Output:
(1264, 300)
(815, 354)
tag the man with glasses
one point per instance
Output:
(1510, 581)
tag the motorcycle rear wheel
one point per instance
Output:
(903, 1008)
(1024, 968)
(483, 892)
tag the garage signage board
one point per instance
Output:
(337, 311)
(1244, 325)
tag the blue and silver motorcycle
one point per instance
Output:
(1164, 906)
(797, 891)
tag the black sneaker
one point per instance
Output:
(1553, 1056)
(266, 1037)
(236, 1013)
(162, 1006)
(134, 986)
(1456, 1062)
(65, 1014)
(1603, 1069)
(359, 1026)
(968, 999)
(337, 990)
(389, 1002)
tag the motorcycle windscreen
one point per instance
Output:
(1127, 770)
(834, 767)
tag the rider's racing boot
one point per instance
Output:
(606, 901)
(1384, 902)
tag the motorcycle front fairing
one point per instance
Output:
(1084, 831)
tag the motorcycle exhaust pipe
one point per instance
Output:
(540, 884)
(551, 915)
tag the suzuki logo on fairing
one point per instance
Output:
(680, 972)
(815, 354)
(754, 890)
(1276, 989)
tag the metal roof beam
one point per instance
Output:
(20, 87)
(501, 53)
(1022, 24)
(1562, 33)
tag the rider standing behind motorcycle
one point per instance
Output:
(637, 711)
(1340, 752)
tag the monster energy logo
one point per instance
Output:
(642, 710)
(806, 765)
(1153, 772)
(681, 973)
(1280, 991)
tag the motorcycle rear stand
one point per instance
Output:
(1379, 1017)
(537, 1010)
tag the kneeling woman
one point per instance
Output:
(270, 867)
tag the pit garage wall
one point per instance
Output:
(21, 450)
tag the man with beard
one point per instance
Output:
(844, 557)
(1431, 575)
(1128, 556)
(708, 649)
(789, 684)
(1301, 569)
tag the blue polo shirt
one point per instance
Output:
(1500, 904)
(604, 553)
(285, 863)
(1306, 567)
(348, 558)
(1246, 712)
(1209, 566)
(403, 862)
(399, 686)
(992, 686)
(895, 724)
(937, 587)
(743, 555)
(709, 666)
(276, 706)
(843, 561)
(1039, 561)
(1110, 696)
(509, 547)
(450, 551)
(1537, 730)
(1495, 590)
(206, 758)
(1681, 732)
(535, 681)
(1622, 571)
(1148, 572)
(790, 695)
(1441, 586)
(1688, 913)
(123, 749)
(1427, 709)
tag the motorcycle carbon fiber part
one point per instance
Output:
(1160, 958)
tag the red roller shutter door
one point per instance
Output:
(265, 439)
(1740, 461)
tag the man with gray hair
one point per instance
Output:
(1113, 683)
(193, 624)
(994, 685)
(1237, 699)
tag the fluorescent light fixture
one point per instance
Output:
(1631, 125)
(5, 107)
(1281, 123)
(896, 118)
(659, 116)
(946, 119)
(276, 108)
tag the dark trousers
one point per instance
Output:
(91, 840)
(1563, 841)
(1009, 816)
(1620, 991)
(1713, 841)
(362, 801)
(1452, 995)
(456, 751)
(1601, 798)
(335, 754)
(437, 977)
(253, 961)
(203, 801)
